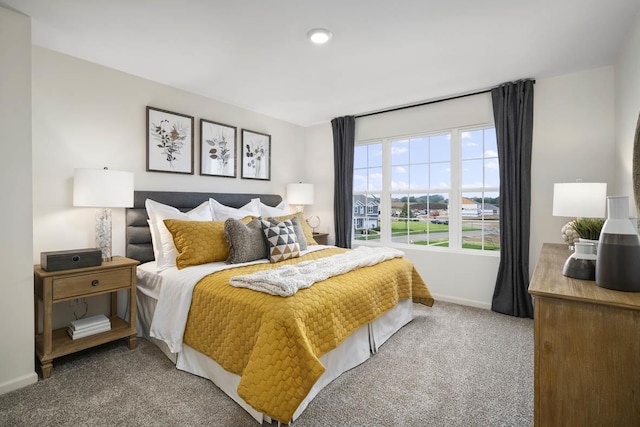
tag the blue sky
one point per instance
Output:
(424, 163)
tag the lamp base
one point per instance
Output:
(583, 269)
(103, 233)
(582, 263)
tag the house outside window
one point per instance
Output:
(432, 190)
(367, 187)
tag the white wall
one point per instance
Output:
(16, 281)
(89, 116)
(319, 171)
(573, 138)
(627, 109)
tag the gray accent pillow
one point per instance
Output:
(246, 241)
(297, 227)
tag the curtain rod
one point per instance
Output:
(435, 101)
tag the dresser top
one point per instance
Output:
(548, 281)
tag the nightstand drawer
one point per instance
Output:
(83, 284)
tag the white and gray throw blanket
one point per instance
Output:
(288, 279)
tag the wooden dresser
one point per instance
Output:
(587, 349)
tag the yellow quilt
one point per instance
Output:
(274, 342)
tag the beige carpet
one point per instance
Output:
(451, 366)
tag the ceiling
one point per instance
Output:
(384, 53)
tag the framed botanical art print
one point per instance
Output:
(217, 149)
(256, 155)
(169, 141)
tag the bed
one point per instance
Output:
(272, 355)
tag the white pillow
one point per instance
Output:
(221, 212)
(162, 240)
(267, 211)
(155, 240)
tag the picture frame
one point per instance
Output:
(218, 153)
(256, 155)
(169, 141)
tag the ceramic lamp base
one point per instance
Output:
(582, 263)
(583, 269)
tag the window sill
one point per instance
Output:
(425, 248)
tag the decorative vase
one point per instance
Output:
(618, 259)
(582, 263)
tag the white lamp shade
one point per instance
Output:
(580, 199)
(300, 194)
(102, 188)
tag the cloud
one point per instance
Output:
(375, 182)
(490, 153)
(400, 169)
(399, 185)
(441, 185)
(476, 184)
(492, 164)
(359, 182)
(398, 150)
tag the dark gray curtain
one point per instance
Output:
(513, 114)
(344, 131)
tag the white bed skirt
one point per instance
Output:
(353, 351)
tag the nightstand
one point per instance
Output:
(51, 287)
(321, 238)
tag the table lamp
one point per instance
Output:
(580, 200)
(300, 194)
(103, 188)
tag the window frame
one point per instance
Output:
(455, 192)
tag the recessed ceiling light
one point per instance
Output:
(319, 35)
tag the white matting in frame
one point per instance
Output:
(217, 149)
(256, 155)
(169, 141)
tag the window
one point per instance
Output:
(438, 190)
(367, 187)
(480, 182)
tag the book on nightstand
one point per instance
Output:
(91, 325)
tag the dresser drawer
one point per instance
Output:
(97, 282)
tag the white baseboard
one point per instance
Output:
(17, 383)
(462, 301)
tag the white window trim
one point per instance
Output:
(455, 193)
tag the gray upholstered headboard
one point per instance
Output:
(138, 237)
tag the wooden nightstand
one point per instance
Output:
(51, 287)
(321, 238)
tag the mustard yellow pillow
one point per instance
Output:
(198, 242)
(308, 233)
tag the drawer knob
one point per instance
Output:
(95, 282)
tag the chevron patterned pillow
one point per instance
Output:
(281, 239)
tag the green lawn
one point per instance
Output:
(399, 228)
(402, 228)
(466, 245)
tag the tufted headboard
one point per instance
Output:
(138, 236)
